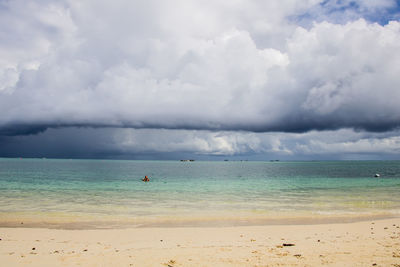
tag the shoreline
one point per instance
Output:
(336, 244)
(187, 221)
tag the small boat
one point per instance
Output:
(377, 175)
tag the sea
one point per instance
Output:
(71, 193)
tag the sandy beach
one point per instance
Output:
(367, 243)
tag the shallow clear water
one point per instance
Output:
(59, 191)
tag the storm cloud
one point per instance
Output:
(128, 143)
(250, 67)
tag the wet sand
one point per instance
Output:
(367, 243)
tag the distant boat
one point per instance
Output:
(377, 175)
(187, 159)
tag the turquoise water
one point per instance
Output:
(105, 192)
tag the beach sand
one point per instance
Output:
(367, 243)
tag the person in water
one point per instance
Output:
(146, 179)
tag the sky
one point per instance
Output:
(240, 79)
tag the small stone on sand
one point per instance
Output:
(170, 263)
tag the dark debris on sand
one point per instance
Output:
(287, 244)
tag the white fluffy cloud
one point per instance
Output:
(210, 66)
